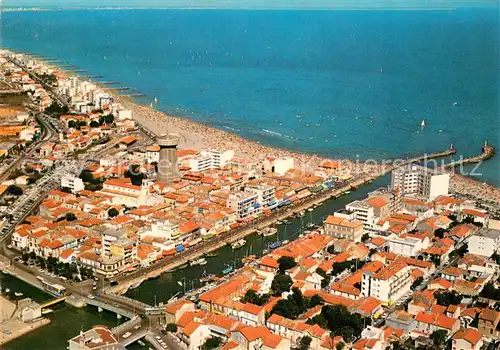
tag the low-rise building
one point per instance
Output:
(340, 227)
(388, 284)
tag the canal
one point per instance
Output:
(68, 321)
(162, 288)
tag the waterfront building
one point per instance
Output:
(244, 204)
(97, 338)
(420, 181)
(266, 195)
(278, 166)
(388, 284)
(219, 158)
(343, 225)
(485, 243)
(364, 213)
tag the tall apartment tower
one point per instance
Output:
(421, 181)
(167, 164)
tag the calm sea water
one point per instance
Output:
(336, 83)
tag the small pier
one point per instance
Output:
(133, 95)
(487, 151)
(109, 82)
(121, 88)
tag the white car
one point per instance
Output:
(126, 335)
(158, 337)
(137, 327)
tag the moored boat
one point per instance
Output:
(238, 244)
(227, 269)
(18, 294)
(269, 231)
(211, 255)
(199, 261)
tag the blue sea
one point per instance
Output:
(353, 84)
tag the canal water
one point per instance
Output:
(68, 321)
(163, 288)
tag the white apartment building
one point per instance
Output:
(266, 195)
(485, 242)
(364, 213)
(219, 157)
(244, 204)
(388, 284)
(201, 163)
(420, 181)
(165, 229)
(75, 184)
(407, 245)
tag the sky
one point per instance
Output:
(251, 4)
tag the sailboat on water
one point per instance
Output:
(156, 100)
(423, 123)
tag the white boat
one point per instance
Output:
(301, 214)
(156, 100)
(269, 231)
(423, 123)
(310, 209)
(47, 311)
(286, 241)
(238, 244)
(18, 294)
(7, 290)
(141, 343)
(200, 261)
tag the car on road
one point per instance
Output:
(126, 335)
(137, 326)
(157, 337)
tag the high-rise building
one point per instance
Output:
(420, 181)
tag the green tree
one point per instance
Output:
(14, 190)
(340, 346)
(211, 343)
(439, 233)
(315, 301)
(439, 338)
(365, 238)
(113, 213)
(94, 124)
(32, 255)
(286, 263)
(326, 278)
(253, 298)
(171, 327)
(281, 283)
(25, 257)
(447, 298)
(416, 283)
(304, 343)
(70, 217)
(107, 119)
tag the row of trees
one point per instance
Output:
(67, 270)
